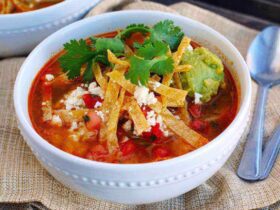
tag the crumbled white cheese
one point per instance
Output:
(95, 90)
(44, 103)
(56, 120)
(49, 77)
(162, 126)
(197, 97)
(74, 126)
(155, 84)
(125, 138)
(177, 117)
(74, 137)
(143, 96)
(127, 125)
(74, 99)
(190, 48)
(61, 101)
(97, 104)
(100, 114)
(153, 119)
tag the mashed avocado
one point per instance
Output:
(206, 74)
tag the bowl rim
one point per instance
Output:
(243, 106)
(42, 11)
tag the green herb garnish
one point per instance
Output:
(79, 53)
(150, 56)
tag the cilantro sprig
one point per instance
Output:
(163, 31)
(78, 53)
(150, 56)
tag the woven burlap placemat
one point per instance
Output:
(23, 180)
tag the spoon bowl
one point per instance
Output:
(263, 57)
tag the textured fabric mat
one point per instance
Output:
(23, 180)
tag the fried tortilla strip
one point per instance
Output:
(128, 51)
(155, 77)
(177, 58)
(183, 68)
(184, 114)
(176, 97)
(101, 80)
(61, 79)
(47, 101)
(111, 96)
(119, 78)
(182, 130)
(112, 124)
(68, 116)
(137, 116)
(179, 127)
(113, 59)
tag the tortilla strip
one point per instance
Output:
(183, 68)
(137, 116)
(119, 78)
(177, 56)
(184, 114)
(156, 77)
(47, 101)
(112, 124)
(178, 127)
(68, 116)
(102, 81)
(111, 96)
(113, 59)
(177, 96)
(128, 51)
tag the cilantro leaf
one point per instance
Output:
(77, 54)
(139, 70)
(152, 49)
(169, 33)
(132, 29)
(88, 74)
(113, 44)
(162, 65)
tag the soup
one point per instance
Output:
(17, 6)
(138, 95)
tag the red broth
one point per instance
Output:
(209, 120)
(19, 6)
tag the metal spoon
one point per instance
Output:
(263, 60)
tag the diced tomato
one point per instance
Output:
(195, 110)
(128, 147)
(93, 121)
(90, 100)
(135, 37)
(199, 125)
(145, 110)
(97, 151)
(155, 133)
(160, 152)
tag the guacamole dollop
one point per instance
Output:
(206, 74)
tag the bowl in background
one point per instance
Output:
(133, 183)
(21, 32)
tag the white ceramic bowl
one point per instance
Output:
(132, 183)
(20, 33)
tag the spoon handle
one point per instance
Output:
(249, 167)
(270, 153)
